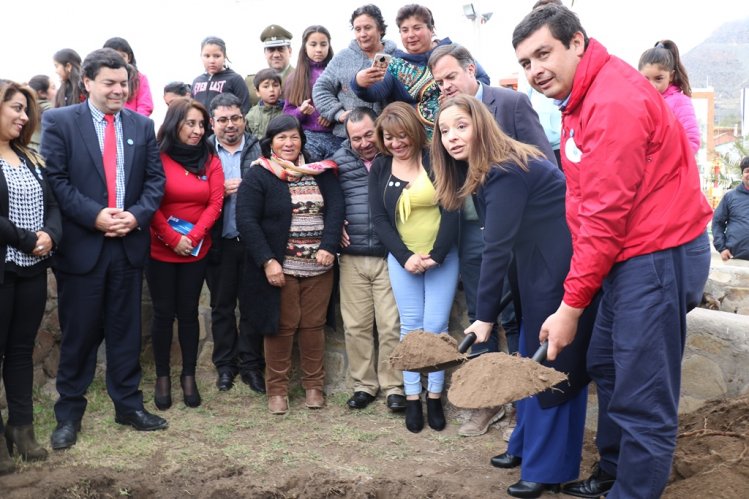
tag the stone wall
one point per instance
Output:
(716, 359)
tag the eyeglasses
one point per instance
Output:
(223, 120)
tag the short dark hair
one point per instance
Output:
(266, 74)
(225, 100)
(280, 123)
(358, 114)
(102, 58)
(415, 10)
(176, 114)
(40, 84)
(458, 52)
(178, 87)
(372, 11)
(562, 23)
(744, 164)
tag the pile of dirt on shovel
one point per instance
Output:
(420, 349)
(494, 379)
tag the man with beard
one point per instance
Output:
(233, 351)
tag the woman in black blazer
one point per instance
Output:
(519, 197)
(30, 228)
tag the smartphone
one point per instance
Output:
(381, 60)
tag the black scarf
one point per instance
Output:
(191, 158)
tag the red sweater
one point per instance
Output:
(196, 200)
(633, 187)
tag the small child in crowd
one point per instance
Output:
(662, 66)
(268, 85)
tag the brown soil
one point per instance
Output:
(420, 351)
(231, 447)
(494, 379)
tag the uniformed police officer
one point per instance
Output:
(277, 48)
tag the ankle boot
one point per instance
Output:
(435, 414)
(23, 438)
(6, 462)
(191, 395)
(414, 416)
(162, 393)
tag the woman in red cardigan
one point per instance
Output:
(180, 240)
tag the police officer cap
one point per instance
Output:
(275, 36)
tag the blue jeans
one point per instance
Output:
(424, 302)
(635, 359)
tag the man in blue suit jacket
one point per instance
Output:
(100, 262)
(454, 72)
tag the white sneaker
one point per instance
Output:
(480, 421)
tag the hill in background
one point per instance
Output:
(722, 62)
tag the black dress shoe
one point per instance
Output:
(65, 435)
(506, 460)
(225, 381)
(396, 402)
(360, 400)
(255, 380)
(141, 420)
(522, 488)
(597, 485)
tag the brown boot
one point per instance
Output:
(23, 438)
(6, 462)
(314, 399)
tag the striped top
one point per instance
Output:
(305, 233)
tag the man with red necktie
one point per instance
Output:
(104, 168)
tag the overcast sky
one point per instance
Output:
(166, 34)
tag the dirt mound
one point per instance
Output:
(711, 451)
(497, 378)
(420, 350)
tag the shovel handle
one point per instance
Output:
(540, 354)
(469, 340)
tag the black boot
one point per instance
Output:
(435, 414)
(414, 416)
(6, 462)
(162, 393)
(23, 438)
(190, 392)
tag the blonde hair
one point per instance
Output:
(400, 116)
(490, 148)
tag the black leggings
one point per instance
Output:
(175, 292)
(22, 301)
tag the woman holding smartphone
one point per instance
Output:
(332, 94)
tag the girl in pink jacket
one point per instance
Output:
(140, 99)
(662, 66)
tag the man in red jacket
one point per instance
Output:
(638, 220)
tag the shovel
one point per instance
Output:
(463, 347)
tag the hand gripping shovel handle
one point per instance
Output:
(470, 338)
(540, 354)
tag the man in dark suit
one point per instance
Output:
(104, 168)
(454, 72)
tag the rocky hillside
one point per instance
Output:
(722, 62)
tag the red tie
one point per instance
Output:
(110, 160)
